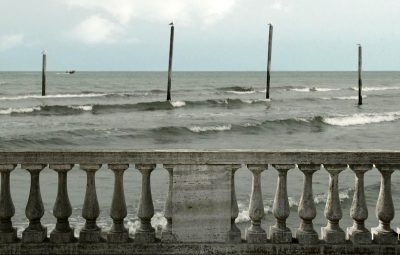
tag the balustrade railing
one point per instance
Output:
(203, 163)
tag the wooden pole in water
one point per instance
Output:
(44, 63)
(269, 59)
(359, 74)
(171, 50)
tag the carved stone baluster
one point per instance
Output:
(384, 211)
(90, 211)
(280, 233)
(62, 209)
(333, 233)
(118, 232)
(358, 233)
(255, 234)
(35, 232)
(145, 233)
(234, 235)
(8, 234)
(306, 234)
(166, 233)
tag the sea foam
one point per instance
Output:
(361, 119)
(198, 129)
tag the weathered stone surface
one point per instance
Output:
(358, 233)
(145, 233)
(8, 234)
(201, 202)
(8, 237)
(202, 157)
(62, 237)
(196, 248)
(34, 236)
(255, 233)
(166, 233)
(280, 233)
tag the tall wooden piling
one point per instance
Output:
(171, 50)
(269, 60)
(44, 66)
(359, 74)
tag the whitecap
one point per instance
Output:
(19, 110)
(83, 107)
(361, 119)
(376, 88)
(178, 103)
(343, 98)
(198, 129)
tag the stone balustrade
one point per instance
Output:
(200, 204)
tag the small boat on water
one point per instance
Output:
(70, 71)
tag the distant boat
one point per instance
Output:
(71, 71)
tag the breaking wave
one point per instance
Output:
(362, 119)
(377, 88)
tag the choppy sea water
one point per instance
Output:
(209, 110)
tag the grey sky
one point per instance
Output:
(210, 34)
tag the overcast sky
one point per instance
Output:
(209, 34)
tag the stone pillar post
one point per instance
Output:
(145, 233)
(234, 235)
(166, 233)
(118, 232)
(358, 233)
(62, 209)
(384, 211)
(333, 233)
(280, 233)
(8, 234)
(255, 234)
(35, 232)
(90, 233)
(306, 234)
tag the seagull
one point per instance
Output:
(44, 52)
(269, 24)
(171, 24)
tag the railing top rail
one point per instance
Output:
(200, 157)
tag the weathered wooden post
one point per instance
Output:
(171, 50)
(44, 73)
(359, 74)
(269, 59)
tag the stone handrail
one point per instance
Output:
(201, 193)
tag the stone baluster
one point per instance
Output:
(333, 233)
(384, 211)
(234, 235)
(358, 233)
(145, 233)
(35, 232)
(118, 232)
(306, 234)
(62, 209)
(8, 234)
(90, 211)
(280, 233)
(166, 233)
(255, 234)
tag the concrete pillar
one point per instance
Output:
(62, 209)
(118, 232)
(234, 235)
(8, 234)
(35, 232)
(333, 233)
(280, 233)
(166, 233)
(306, 234)
(90, 233)
(145, 233)
(358, 233)
(384, 211)
(255, 234)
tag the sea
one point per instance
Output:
(208, 110)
